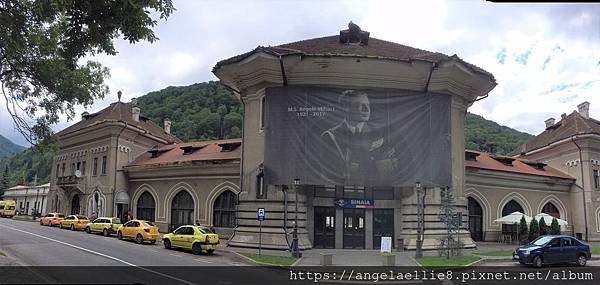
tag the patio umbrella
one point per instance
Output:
(513, 218)
(548, 219)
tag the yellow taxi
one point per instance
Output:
(139, 230)
(196, 238)
(104, 225)
(74, 222)
(8, 208)
(52, 219)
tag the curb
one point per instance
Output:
(264, 263)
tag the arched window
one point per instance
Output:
(182, 210)
(551, 210)
(511, 207)
(75, 205)
(475, 219)
(146, 207)
(224, 210)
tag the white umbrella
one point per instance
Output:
(513, 218)
(548, 219)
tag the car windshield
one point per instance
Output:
(61, 215)
(542, 240)
(82, 217)
(148, 224)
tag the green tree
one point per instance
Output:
(449, 245)
(534, 230)
(43, 45)
(544, 230)
(554, 227)
(4, 180)
(523, 231)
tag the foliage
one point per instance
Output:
(4, 183)
(534, 230)
(523, 230)
(203, 111)
(43, 45)
(554, 227)
(449, 245)
(442, 262)
(271, 259)
(544, 229)
(8, 148)
(25, 165)
(481, 133)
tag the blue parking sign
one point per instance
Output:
(261, 214)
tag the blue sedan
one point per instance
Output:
(552, 250)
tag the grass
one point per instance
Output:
(2, 253)
(443, 262)
(496, 253)
(271, 260)
(595, 250)
(23, 218)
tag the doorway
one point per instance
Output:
(354, 228)
(383, 226)
(324, 233)
(475, 219)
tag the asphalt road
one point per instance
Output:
(54, 255)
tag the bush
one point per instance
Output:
(450, 247)
(544, 230)
(534, 230)
(554, 227)
(523, 230)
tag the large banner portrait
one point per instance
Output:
(357, 137)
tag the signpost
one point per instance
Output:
(261, 218)
(386, 244)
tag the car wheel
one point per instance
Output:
(167, 243)
(72, 227)
(210, 251)
(152, 241)
(197, 248)
(59, 226)
(581, 260)
(41, 224)
(537, 261)
(88, 230)
(105, 232)
(139, 239)
(120, 235)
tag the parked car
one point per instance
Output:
(74, 222)
(196, 238)
(52, 219)
(104, 225)
(7, 208)
(139, 230)
(552, 249)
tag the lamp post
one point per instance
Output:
(37, 193)
(420, 219)
(295, 249)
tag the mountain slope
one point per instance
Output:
(7, 147)
(205, 111)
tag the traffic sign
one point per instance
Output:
(261, 214)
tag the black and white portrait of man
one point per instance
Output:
(359, 150)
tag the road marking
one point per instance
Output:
(101, 254)
(203, 260)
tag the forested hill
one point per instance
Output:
(206, 111)
(7, 147)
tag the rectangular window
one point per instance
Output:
(596, 178)
(103, 169)
(261, 189)
(95, 167)
(83, 168)
(63, 170)
(73, 168)
(79, 165)
(263, 118)
(326, 191)
(354, 191)
(57, 170)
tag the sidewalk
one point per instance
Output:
(341, 257)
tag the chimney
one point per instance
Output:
(133, 102)
(84, 115)
(584, 109)
(167, 126)
(135, 112)
(549, 122)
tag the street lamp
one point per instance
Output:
(420, 219)
(295, 249)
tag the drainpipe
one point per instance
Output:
(115, 175)
(582, 187)
(283, 76)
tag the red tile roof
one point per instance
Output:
(331, 46)
(571, 125)
(493, 162)
(204, 151)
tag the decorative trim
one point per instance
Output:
(181, 186)
(136, 196)
(214, 193)
(483, 201)
(519, 198)
(562, 210)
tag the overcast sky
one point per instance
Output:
(546, 58)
